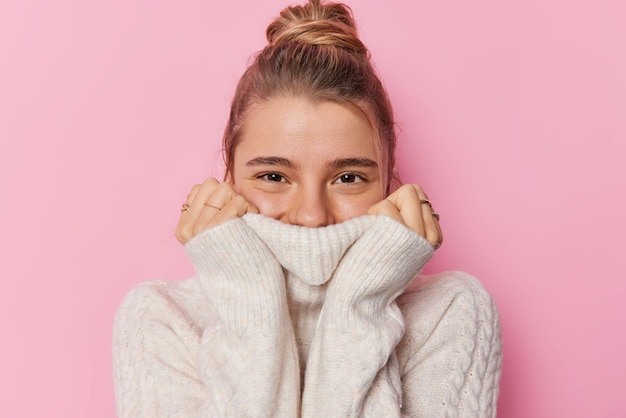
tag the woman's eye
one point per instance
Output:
(349, 178)
(273, 177)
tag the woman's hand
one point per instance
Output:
(409, 205)
(210, 204)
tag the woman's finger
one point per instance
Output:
(209, 205)
(387, 208)
(235, 208)
(192, 194)
(409, 205)
(432, 228)
(207, 188)
(212, 205)
(192, 209)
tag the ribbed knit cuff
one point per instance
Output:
(239, 276)
(375, 271)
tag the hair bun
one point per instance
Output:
(316, 24)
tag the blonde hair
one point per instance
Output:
(314, 51)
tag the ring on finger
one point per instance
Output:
(184, 207)
(211, 206)
(436, 245)
(435, 215)
(426, 202)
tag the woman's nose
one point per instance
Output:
(311, 209)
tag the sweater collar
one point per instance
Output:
(311, 254)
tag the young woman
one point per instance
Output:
(307, 300)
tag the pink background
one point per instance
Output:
(512, 116)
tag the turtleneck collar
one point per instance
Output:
(310, 254)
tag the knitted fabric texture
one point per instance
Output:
(288, 321)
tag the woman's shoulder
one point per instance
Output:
(452, 345)
(450, 283)
(160, 300)
(446, 307)
(155, 291)
(451, 290)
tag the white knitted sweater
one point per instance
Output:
(287, 321)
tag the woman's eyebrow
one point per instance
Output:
(352, 162)
(271, 161)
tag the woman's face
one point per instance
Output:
(308, 163)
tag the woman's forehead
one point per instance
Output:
(297, 126)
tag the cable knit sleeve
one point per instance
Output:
(352, 370)
(242, 362)
(450, 356)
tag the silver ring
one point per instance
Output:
(435, 215)
(436, 245)
(184, 207)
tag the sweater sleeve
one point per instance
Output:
(352, 370)
(154, 356)
(242, 362)
(450, 356)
